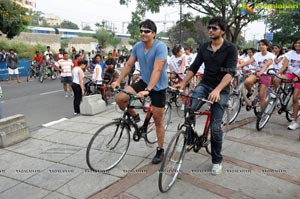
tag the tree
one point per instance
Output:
(13, 18)
(284, 23)
(106, 38)
(68, 25)
(87, 28)
(228, 9)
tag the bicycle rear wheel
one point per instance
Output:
(108, 147)
(172, 162)
(152, 128)
(29, 74)
(266, 113)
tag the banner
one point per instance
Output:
(24, 65)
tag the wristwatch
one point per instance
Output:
(147, 89)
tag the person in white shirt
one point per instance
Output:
(177, 63)
(47, 53)
(291, 63)
(189, 56)
(263, 60)
(77, 85)
(279, 55)
(97, 74)
(65, 66)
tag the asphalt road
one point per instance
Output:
(40, 103)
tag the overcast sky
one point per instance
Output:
(92, 11)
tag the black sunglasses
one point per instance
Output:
(145, 31)
(214, 28)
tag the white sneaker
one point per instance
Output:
(216, 169)
(293, 125)
(66, 95)
(273, 95)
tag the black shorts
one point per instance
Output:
(66, 80)
(158, 98)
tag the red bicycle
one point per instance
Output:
(185, 140)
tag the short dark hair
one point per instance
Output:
(82, 62)
(264, 41)
(48, 46)
(176, 49)
(65, 53)
(220, 21)
(148, 24)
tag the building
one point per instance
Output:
(29, 4)
(52, 19)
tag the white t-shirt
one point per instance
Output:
(175, 64)
(261, 60)
(250, 66)
(189, 60)
(278, 66)
(76, 76)
(137, 69)
(66, 66)
(294, 61)
(99, 79)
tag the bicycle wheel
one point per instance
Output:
(108, 146)
(29, 74)
(172, 162)
(289, 114)
(41, 77)
(234, 106)
(152, 128)
(266, 113)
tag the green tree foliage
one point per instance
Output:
(13, 18)
(106, 37)
(87, 28)
(69, 25)
(229, 9)
(284, 23)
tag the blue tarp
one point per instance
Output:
(24, 65)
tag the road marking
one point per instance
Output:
(47, 93)
(54, 122)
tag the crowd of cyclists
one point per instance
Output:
(254, 63)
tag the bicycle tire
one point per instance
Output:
(151, 137)
(29, 74)
(105, 152)
(41, 77)
(266, 113)
(234, 106)
(174, 154)
(289, 114)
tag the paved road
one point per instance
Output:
(40, 103)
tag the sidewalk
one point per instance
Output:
(51, 165)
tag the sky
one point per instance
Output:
(89, 12)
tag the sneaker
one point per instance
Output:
(272, 95)
(71, 95)
(216, 169)
(293, 125)
(136, 118)
(158, 156)
(66, 95)
(76, 114)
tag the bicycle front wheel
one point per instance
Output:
(266, 113)
(172, 162)
(234, 106)
(108, 147)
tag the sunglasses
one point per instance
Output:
(146, 31)
(214, 28)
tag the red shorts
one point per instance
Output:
(292, 76)
(265, 80)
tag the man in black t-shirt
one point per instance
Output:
(220, 59)
(110, 71)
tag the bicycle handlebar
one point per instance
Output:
(272, 72)
(181, 92)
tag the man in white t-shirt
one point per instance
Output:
(47, 53)
(65, 66)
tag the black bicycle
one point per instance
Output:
(110, 143)
(284, 95)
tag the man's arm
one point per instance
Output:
(157, 68)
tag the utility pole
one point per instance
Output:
(180, 20)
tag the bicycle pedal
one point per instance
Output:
(189, 147)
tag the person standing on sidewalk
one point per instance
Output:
(77, 85)
(65, 66)
(12, 62)
(220, 59)
(152, 56)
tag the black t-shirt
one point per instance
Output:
(217, 64)
(111, 61)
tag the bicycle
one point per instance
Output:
(175, 98)
(283, 96)
(45, 72)
(253, 100)
(110, 143)
(186, 135)
(33, 71)
(91, 88)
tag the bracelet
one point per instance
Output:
(147, 89)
